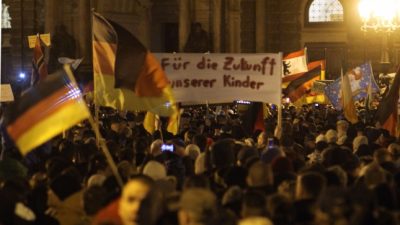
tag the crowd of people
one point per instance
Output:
(316, 168)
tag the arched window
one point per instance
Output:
(324, 11)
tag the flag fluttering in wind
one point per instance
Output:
(300, 84)
(44, 111)
(295, 62)
(126, 74)
(387, 113)
(348, 106)
(360, 77)
(39, 66)
(151, 122)
(174, 122)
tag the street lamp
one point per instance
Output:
(381, 16)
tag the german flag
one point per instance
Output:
(349, 109)
(39, 66)
(253, 118)
(44, 111)
(386, 114)
(126, 75)
(300, 84)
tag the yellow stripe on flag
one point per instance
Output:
(51, 126)
(107, 95)
(173, 122)
(149, 122)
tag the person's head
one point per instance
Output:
(193, 151)
(309, 185)
(196, 181)
(279, 208)
(255, 221)
(140, 202)
(94, 199)
(155, 147)
(244, 153)
(197, 206)
(179, 146)
(201, 141)
(342, 126)
(66, 184)
(394, 150)
(382, 155)
(222, 154)
(188, 136)
(373, 175)
(331, 136)
(254, 204)
(155, 170)
(358, 141)
(259, 175)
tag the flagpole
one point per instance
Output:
(160, 128)
(95, 128)
(278, 132)
(95, 100)
(106, 151)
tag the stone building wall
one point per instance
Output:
(237, 29)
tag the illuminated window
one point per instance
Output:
(325, 11)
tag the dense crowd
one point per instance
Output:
(316, 168)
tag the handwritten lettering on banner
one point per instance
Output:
(223, 77)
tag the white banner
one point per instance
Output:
(218, 78)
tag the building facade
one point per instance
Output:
(330, 29)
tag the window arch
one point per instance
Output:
(324, 11)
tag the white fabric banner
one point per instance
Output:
(217, 78)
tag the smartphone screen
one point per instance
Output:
(168, 148)
(270, 143)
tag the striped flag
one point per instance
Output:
(151, 122)
(253, 117)
(387, 113)
(300, 84)
(174, 122)
(348, 106)
(126, 75)
(44, 111)
(295, 62)
(39, 66)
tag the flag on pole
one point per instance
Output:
(39, 66)
(126, 74)
(253, 117)
(174, 122)
(300, 84)
(44, 111)
(369, 98)
(387, 113)
(360, 77)
(349, 108)
(295, 62)
(151, 122)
